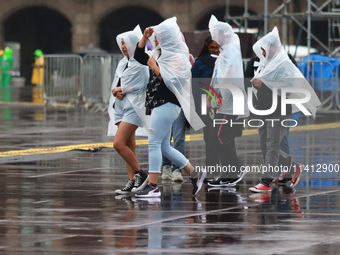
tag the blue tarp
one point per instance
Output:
(322, 78)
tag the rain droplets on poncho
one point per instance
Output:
(276, 70)
(228, 69)
(175, 68)
(133, 81)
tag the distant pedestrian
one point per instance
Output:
(6, 64)
(38, 68)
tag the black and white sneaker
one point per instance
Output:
(149, 191)
(127, 189)
(197, 182)
(141, 180)
(227, 182)
(222, 182)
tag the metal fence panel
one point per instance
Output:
(325, 86)
(62, 78)
(98, 73)
(66, 77)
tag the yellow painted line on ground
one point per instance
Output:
(316, 126)
(194, 137)
(53, 149)
(31, 103)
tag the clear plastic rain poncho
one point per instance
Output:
(276, 70)
(133, 81)
(175, 68)
(228, 67)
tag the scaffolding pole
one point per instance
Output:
(313, 12)
(309, 39)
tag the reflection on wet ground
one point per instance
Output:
(64, 203)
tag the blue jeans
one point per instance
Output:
(161, 121)
(178, 133)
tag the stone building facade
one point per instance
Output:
(84, 20)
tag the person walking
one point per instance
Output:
(170, 170)
(127, 110)
(228, 71)
(168, 90)
(276, 71)
(201, 74)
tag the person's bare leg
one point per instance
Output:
(122, 138)
(189, 169)
(131, 143)
(153, 178)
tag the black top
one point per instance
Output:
(157, 93)
(264, 99)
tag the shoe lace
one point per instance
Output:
(129, 184)
(137, 179)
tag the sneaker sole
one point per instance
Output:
(219, 185)
(259, 191)
(134, 190)
(158, 194)
(200, 183)
(122, 192)
(230, 184)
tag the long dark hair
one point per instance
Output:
(205, 49)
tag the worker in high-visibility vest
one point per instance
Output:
(6, 64)
(38, 68)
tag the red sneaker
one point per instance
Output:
(296, 176)
(283, 178)
(260, 188)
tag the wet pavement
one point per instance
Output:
(64, 203)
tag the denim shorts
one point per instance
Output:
(125, 112)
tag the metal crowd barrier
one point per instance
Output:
(98, 75)
(337, 96)
(97, 79)
(325, 87)
(71, 78)
(62, 78)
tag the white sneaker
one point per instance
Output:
(166, 173)
(177, 176)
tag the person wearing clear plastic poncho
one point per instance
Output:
(201, 76)
(168, 90)
(170, 171)
(228, 72)
(127, 109)
(275, 73)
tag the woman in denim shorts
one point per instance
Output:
(127, 109)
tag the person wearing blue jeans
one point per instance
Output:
(167, 91)
(178, 134)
